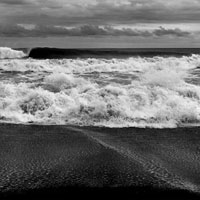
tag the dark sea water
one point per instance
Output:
(123, 122)
(41, 53)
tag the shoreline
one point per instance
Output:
(183, 126)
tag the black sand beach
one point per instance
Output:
(50, 161)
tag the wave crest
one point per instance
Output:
(91, 65)
(6, 52)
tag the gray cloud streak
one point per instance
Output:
(88, 30)
(14, 2)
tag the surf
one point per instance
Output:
(156, 92)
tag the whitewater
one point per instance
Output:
(157, 91)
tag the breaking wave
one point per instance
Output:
(6, 52)
(87, 92)
(129, 65)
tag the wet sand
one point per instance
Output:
(50, 161)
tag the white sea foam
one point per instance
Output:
(130, 65)
(159, 96)
(6, 52)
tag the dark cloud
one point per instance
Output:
(145, 11)
(87, 30)
(177, 32)
(100, 12)
(14, 2)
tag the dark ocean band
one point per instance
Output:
(53, 53)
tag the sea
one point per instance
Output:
(122, 121)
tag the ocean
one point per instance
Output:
(116, 120)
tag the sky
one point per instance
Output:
(100, 23)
